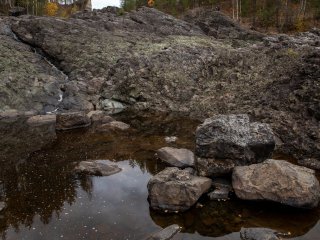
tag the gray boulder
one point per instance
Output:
(177, 157)
(97, 168)
(176, 190)
(278, 181)
(234, 137)
(72, 120)
(166, 233)
(209, 167)
(258, 234)
(310, 163)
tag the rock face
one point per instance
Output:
(278, 181)
(225, 141)
(146, 59)
(258, 234)
(97, 168)
(166, 233)
(177, 157)
(72, 120)
(176, 190)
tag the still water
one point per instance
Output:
(46, 200)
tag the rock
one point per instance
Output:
(278, 181)
(72, 120)
(99, 117)
(310, 163)
(176, 190)
(2, 206)
(233, 137)
(39, 120)
(114, 125)
(108, 104)
(219, 194)
(97, 168)
(258, 234)
(166, 233)
(208, 167)
(222, 183)
(170, 139)
(177, 157)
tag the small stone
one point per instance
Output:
(171, 139)
(258, 234)
(219, 194)
(97, 168)
(177, 157)
(166, 233)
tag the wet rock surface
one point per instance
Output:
(72, 120)
(97, 168)
(166, 233)
(258, 234)
(176, 157)
(278, 181)
(142, 58)
(176, 190)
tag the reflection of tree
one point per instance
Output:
(38, 188)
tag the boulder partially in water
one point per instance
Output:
(176, 190)
(97, 168)
(72, 120)
(278, 181)
(177, 157)
(166, 233)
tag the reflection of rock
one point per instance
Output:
(166, 234)
(2, 206)
(114, 125)
(39, 120)
(231, 139)
(279, 181)
(214, 167)
(97, 168)
(310, 163)
(72, 120)
(258, 234)
(177, 157)
(176, 190)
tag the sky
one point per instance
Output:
(98, 4)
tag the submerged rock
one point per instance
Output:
(278, 181)
(72, 120)
(97, 168)
(177, 157)
(310, 163)
(176, 190)
(40, 120)
(166, 233)
(258, 234)
(2, 206)
(113, 125)
(234, 137)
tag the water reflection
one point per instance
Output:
(46, 200)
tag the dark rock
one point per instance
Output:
(17, 11)
(166, 233)
(177, 157)
(278, 181)
(310, 163)
(2, 206)
(72, 120)
(219, 194)
(97, 168)
(176, 190)
(222, 183)
(225, 141)
(208, 167)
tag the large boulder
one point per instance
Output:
(72, 120)
(177, 157)
(97, 168)
(278, 181)
(226, 140)
(176, 190)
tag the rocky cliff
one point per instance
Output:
(202, 65)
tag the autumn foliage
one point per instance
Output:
(51, 9)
